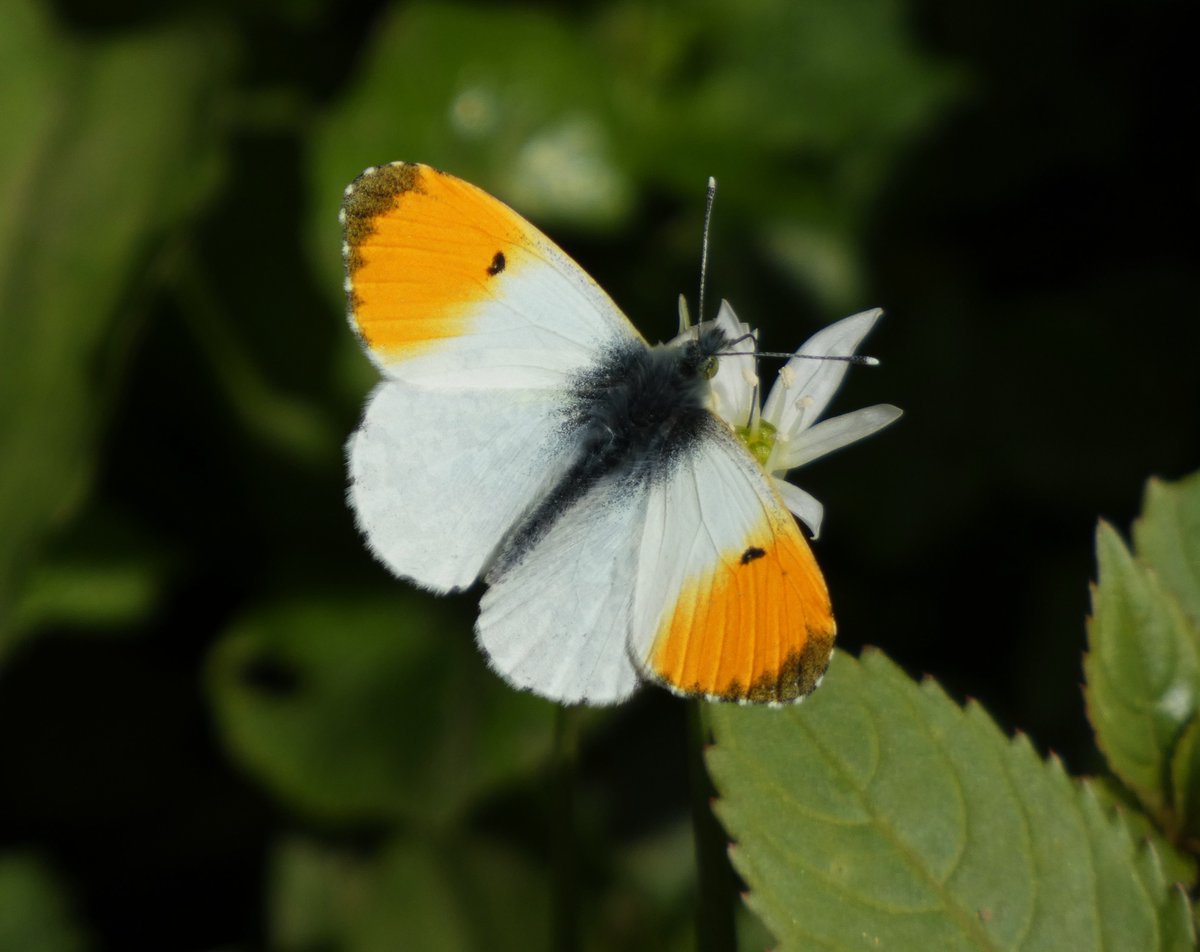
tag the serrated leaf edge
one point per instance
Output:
(1079, 791)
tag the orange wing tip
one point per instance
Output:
(796, 678)
(756, 628)
(376, 191)
(424, 255)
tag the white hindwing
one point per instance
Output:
(438, 478)
(557, 621)
(482, 323)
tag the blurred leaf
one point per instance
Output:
(464, 894)
(830, 88)
(800, 109)
(505, 97)
(649, 902)
(314, 893)
(107, 144)
(104, 574)
(803, 110)
(881, 812)
(371, 708)
(1167, 538)
(1142, 672)
(34, 915)
(660, 868)
(112, 592)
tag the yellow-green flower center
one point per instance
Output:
(760, 440)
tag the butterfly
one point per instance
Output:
(619, 500)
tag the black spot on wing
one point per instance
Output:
(497, 264)
(752, 553)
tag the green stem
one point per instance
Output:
(565, 924)
(718, 891)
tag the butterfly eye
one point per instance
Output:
(708, 367)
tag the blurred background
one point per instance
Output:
(222, 725)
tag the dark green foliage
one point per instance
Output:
(223, 725)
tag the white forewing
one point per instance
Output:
(557, 621)
(439, 477)
(541, 324)
(449, 287)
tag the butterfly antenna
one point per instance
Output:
(708, 207)
(861, 360)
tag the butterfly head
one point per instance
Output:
(723, 355)
(702, 343)
(701, 350)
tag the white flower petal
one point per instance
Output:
(805, 507)
(736, 377)
(685, 319)
(727, 320)
(805, 386)
(830, 435)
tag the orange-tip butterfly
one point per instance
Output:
(621, 501)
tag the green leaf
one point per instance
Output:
(879, 814)
(105, 574)
(566, 113)
(773, 81)
(760, 96)
(463, 894)
(108, 143)
(504, 97)
(1178, 867)
(372, 708)
(1143, 674)
(1185, 786)
(1167, 539)
(110, 593)
(34, 914)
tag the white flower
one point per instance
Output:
(785, 434)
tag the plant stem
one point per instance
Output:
(717, 885)
(565, 923)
